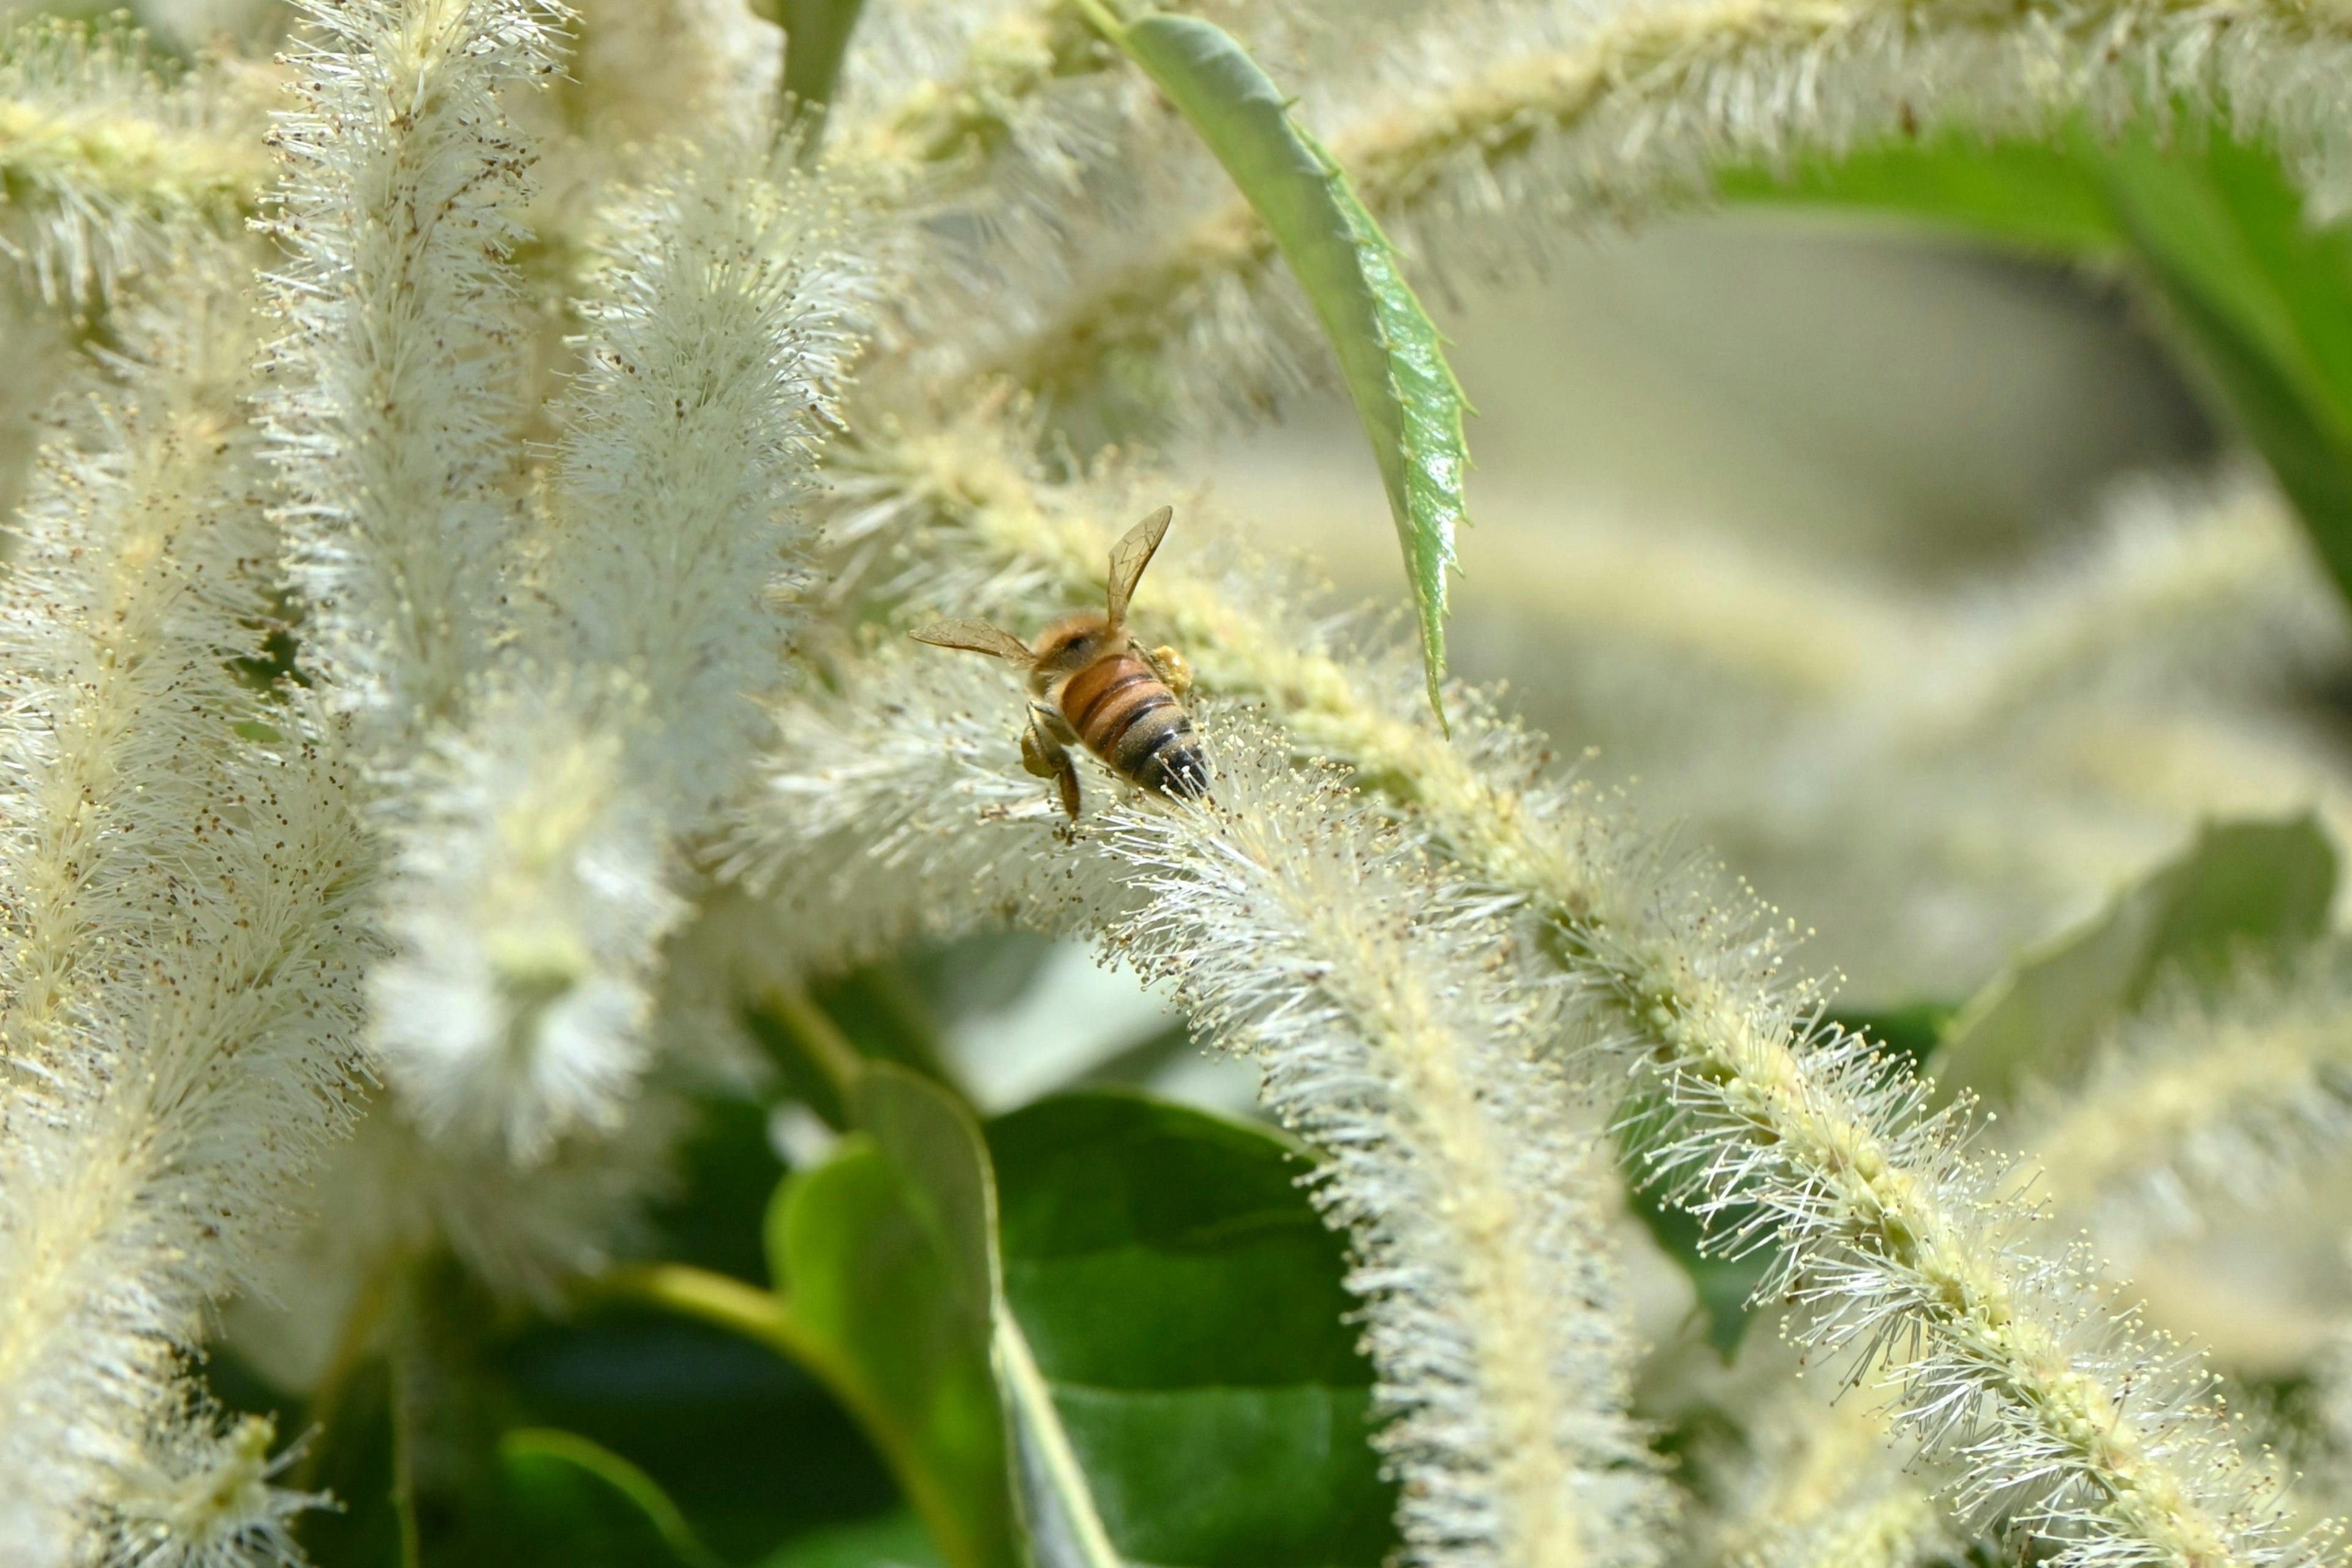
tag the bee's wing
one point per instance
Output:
(976, 636)
(1130, 556)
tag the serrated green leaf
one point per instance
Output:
(2245, 890)
(1184, 1308)
(1391, 355)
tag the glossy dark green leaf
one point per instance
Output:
(876, 1255)
(1391, 355)
(698, 1408)
(1723, 1285)
(1914, 1030)
(581, 1504)
(898, 1538)
(2244, 891)
(1184, 1307)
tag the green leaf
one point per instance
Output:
(897, 1539)
(582, 1504)
(1170, 1331)
(1057, 1499)
(2041, 197)
(1184, 1306)
(2258, 890)
(816, 41)
(2259, 300)
(881, 1271)
(751, 1449)
(727, 1170)
(1391, 355)
(1914, 1029)
(935, 1144)
(2262, 302)
(350, 1458)
(1724, 1285)
(930, 1136)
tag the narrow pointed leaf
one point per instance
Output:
(2042, 198)
(1391, 355)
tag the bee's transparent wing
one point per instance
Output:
(1130, 556)
(977, 637)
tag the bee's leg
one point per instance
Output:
(1174, 670)
(1043, 757)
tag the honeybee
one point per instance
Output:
(1091, 684)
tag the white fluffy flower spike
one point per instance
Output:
(1307, 935)
(394, 412)
(534, 879)
(181, 991)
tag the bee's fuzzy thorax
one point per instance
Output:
(1066, 646)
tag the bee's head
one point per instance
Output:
(1069, 646)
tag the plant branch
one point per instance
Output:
(818, 1040)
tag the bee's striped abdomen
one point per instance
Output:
(1129, 719)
